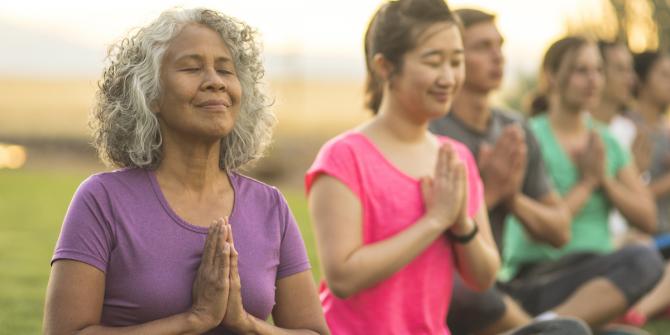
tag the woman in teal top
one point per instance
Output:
(584, 278)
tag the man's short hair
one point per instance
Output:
(470, 16)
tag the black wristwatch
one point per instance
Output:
(463, 239)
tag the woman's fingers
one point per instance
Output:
(208, 251)
(440, 165)
(223, 268)
(427, 189)
(214, 246)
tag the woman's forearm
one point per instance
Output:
(546, 221)
(179, 324)
(478, 260)
(578, 196)
(372, 263)
(639, 210)
(259, 327)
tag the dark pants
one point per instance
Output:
(634, 270)
(472, 311)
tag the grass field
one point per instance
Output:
(32, 205)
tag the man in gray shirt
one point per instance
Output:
(511, 168)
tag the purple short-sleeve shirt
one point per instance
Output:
(120, 223)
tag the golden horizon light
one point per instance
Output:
(12, 156)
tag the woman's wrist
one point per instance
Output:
(462, 227)
(195, 324)
(589, 183)
(464, 232)
(246, 326)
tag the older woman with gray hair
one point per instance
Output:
(149, 248)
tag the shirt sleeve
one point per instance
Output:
(292, 253)
(336, 159)
(536, 183)
(86, 234)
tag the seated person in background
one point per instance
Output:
(397, 211)
(587, 278)
(149, 248)
(511, 167)
(653, 100)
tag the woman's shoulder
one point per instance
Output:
(109, 180)
(255, 191)
(350, 139)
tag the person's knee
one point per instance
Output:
(471, 311)
(645, 267)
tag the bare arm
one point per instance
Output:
(547, 220)
(74, 304)
(76, 291)
(297, 306)
(478, 261)
(661, 186)
(639, 209)
(349, 266)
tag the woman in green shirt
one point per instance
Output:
(585, 278)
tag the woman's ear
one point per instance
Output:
(382, 68)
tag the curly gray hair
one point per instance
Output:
(126, 132)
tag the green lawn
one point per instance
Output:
(32, 205)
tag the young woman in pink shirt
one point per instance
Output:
(396, 209)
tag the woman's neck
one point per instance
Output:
(472, 108)
(606, 111)
(192, 165)
(398, 124)
(650, 112)
(565, 119)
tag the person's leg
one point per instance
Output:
(559, 326)
(658, 299)
(470, 312)
(610, 302)
(632, 272)
(593, 288)
(514, 317)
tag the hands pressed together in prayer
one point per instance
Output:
(503, 167)
(217, 297)
(591, 160)
(446, 194)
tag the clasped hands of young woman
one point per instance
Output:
(217, 297)
(446, 193)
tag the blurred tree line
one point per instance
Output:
(641, 24)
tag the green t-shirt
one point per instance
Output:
(590, 230)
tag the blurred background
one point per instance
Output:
(52, 54)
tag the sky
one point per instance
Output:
(309, 37)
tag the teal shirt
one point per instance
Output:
(590, 230)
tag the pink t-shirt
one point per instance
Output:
(414, 300)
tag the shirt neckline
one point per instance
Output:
(383, 158)
(181, 222)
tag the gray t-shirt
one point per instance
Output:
(658, 167)
(536, 184)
